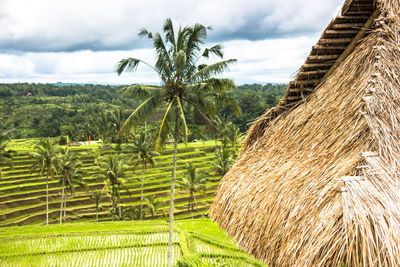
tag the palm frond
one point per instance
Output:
(212, 70)
(197, 34)
(221, 84)
(144, 110)
(144, 32)
(162, 125)
(164, 64)
(168, 29)
(225, 101)
(164, 68)
(180, 40)
(198, 87)
(205, 102)
(140, 91)
(130, 64)
(183, 119)
(215, 50)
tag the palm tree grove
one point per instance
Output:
(188, 134)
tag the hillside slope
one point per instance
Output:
(23, 193)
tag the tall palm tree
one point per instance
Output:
(184, 82)
(45, 158)
(194, 182)
(143, 153)
(96, 196)
(71, 173)
(5, 154)
(112, 169)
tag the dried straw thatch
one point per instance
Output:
(318, 182)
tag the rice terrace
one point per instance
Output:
(176, 134)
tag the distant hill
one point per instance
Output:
(49, 110)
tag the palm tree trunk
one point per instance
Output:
(62, 201)
(113, 201)
(47, 197)
(192, 201)
(65, 207)
(171, 202)
(190, 198)
(97, 213)
(141, 192)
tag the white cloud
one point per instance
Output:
(268, 60)
(265, 61)
(81, 41)
(80, 66)
(69, 25)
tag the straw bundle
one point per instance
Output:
(319, 184)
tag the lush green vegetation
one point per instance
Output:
(48, 110)
(139, 243)
(23, 193)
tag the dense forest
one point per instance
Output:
(49, 110)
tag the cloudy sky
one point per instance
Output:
(81, 41)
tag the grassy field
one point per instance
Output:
(135, 243)
(22, 193)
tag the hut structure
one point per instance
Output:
(318, 179)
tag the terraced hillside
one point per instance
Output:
(23, 198)
(139, 243)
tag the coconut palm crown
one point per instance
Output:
(183, 80)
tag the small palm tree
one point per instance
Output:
(45, 158)
(112, 169)
(220, 124)
(117, 118)
(96, 196)
(224, 159)
(5, 154)
(194, 182)
(143, 153)
(152, 205)
(71, 173)
(103, 128)
(184, 83)
(234, 135)
(130, 213)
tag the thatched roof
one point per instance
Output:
(318, 182)
(73, 143)
(336, 43)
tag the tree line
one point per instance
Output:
(81, 110)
